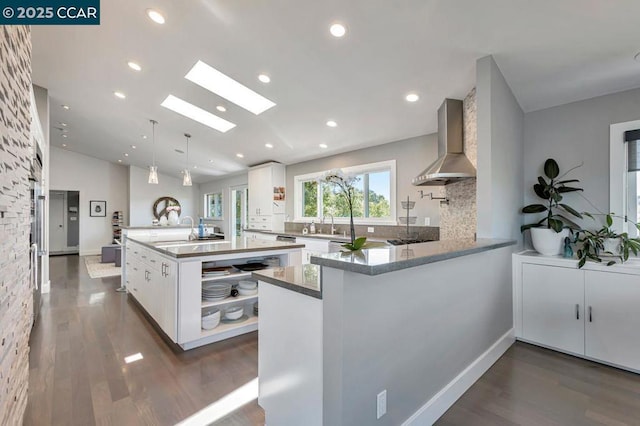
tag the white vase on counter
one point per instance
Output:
(163, 221)
(547, 241)
(173, 218)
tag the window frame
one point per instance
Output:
(381, 166)
(206, 205)
(618, 196)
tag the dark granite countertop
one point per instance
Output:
(375, 261)
(303, 279)
(181, 249)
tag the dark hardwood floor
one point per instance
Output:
(78, 375)
(534, 386)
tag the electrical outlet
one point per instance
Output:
(382, 403)
(370, 229)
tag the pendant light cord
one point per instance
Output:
(153, 135)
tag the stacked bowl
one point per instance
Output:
(247, 288)
(210, 318)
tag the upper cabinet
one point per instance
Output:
(267, 197)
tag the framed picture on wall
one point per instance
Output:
(97, 208)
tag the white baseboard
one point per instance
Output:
(46, 287)
(443, 400)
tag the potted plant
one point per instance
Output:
(548, 234)
(345, 184)
(605, 242)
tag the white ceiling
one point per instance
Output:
(550, 51)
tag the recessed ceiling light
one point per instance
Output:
(64, 145)
(64, 136)
(134, 66)
(337, 30)
(268, 145)
(224, 86)
(63, 124)
(133, 147)
(211, 161)
(65, 107)
(264, 78)
(120, 95)
(323, 146)
(412, 97)
(197, 114)
(119, 161)
(240, 155)
(221, 108)
(332, 123)
(126, 155)
(195, 167)
(155, 16)
(144, 136)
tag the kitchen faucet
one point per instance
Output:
(192, 235)
(333, 229)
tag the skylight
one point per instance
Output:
(222, 85)
(195, 113)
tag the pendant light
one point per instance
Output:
(153, 170)
(186, 178)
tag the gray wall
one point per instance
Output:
(574, 133)
(410, 346)
(500, 154)
(412, 156)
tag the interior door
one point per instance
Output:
(57, 228)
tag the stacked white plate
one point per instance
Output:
(210, 319)
(212, 292)
(247, 288)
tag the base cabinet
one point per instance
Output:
(553, 305)
(591, 312)
(613, 318)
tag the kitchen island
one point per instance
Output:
(166, 279)
(386, 336)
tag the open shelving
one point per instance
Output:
(250, 324)
(234, 276)
(230, 300)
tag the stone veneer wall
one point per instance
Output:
(16, 298)
(458, 219)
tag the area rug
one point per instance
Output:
(101, 270)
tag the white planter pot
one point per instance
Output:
(173, 218)
(612, 245)
(547, 241)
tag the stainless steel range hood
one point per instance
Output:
(452, 165)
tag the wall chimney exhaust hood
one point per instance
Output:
(452, 165)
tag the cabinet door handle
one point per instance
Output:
(577, 311)
(590, 314)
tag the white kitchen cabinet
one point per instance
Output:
(168, 290)
(590, 312)
(265, 211)
(553, 307)
(613, 318)
(312, 247)
(260, 236)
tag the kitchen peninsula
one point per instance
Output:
(165, 277)
(413, 326)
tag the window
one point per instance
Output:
(624, 179)
(213, 206)
(374, 199)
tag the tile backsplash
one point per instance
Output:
(458, 219)
(380, 231)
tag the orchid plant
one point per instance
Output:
(345, 185)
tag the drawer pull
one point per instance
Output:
(577, 311)
(590, 314)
